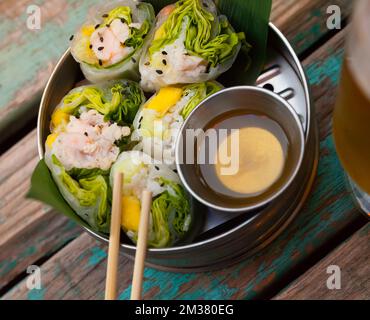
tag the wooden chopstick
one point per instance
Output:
(114, 239)
(137, 281)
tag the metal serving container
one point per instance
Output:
(221, 239)
(252, 99)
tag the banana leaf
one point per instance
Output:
(248, 16)
(44, 189)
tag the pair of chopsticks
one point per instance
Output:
(114, 242)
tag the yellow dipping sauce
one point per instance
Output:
(262, 155)
(261, 161)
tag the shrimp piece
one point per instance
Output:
(108, 42)
(190, 63)
(120, 30)
(88, 142)
(166, 11)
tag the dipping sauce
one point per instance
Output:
(262, 148)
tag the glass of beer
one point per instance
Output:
(351, 124)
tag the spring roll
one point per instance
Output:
(190, 43)
(158, 122)
(109, 45)
(89, 129)
(170, 216)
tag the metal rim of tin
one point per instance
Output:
(178, 249)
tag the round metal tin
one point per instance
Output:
(219, 240)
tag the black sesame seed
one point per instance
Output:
(164, 53)
(71, 38)
(123, 20)
(97, 26)
(100, 63)
(164, 62)
(147, 63)
(105, 15)
(159, 71)
(139, 127)
(90, 46)
(208, 68)
(101, 48)
(157, 168)
(187, 54)
(101, 39)
(86, 134)
(108, 25)
(141, 119)
(133, 60)
(175, 171)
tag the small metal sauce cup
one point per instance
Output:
(253, 100)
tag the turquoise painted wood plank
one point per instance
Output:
(353, 259)
(29, 230)
(78, 271)
(307, 25)
(27, 57)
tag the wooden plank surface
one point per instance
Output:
(77, 271)
(27, 57)
(353, 259)
(305, 21)
(20, 90)
(29, 230)
(21, 84)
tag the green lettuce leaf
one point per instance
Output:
(137, 36)
(125, 143)
(200, 40)
(170, 216)
(86, 191)
(130, 99)
(78, 174)
(118, 101)
(119, 13)
(202, 91)
(44, 189)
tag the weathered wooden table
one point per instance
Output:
(329, 231)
